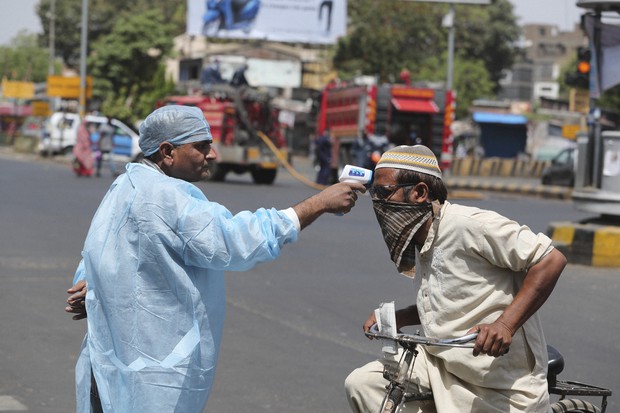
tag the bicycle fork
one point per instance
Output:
(396, 388)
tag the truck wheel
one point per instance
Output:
(264, 176)
(217, 172)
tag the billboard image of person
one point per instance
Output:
(308, 21)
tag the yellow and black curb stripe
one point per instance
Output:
(588, 244)
(506, 167)
(473, 184)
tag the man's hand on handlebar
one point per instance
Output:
(493, 339)
(371, 321)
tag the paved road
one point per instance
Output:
(293, 326)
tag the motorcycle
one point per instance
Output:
(229, 15)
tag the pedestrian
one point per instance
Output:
(83, 157)
(473, 270)
(211, 75)
(153, 263)
(414, 138)
(323, 149)
(239, 78)
(105, 146)
(360, 149)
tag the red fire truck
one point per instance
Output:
(235, 116)
(394, 111)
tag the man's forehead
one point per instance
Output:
(385, 176)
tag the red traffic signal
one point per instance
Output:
(583, 60)
(580, 78)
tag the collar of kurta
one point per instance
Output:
(432, 232)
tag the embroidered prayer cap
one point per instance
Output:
(415, 158)
(176, 124)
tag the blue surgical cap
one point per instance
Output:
(175, 124)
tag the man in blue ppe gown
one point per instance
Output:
(153, 263)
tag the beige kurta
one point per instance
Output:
(468, 271)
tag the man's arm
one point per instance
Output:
(338, 198)
(495, 338)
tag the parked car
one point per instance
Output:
(562, 169)
(61, 134)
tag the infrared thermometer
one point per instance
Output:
(352, 173)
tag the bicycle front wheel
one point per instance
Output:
(574, 406)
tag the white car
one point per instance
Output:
(61, 135)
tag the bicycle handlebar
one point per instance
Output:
(465, 341)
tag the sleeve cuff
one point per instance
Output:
(290, 212)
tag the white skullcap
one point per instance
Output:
(414, 158)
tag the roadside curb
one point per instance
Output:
(546, 191)
(590, 244)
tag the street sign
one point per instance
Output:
(17, 90)
(68, 87)
(40, 108)
(570, 131)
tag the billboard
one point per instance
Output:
(305, 21)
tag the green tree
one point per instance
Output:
(488, 34)
(102, 16)
(386, 36)
(471, 81)
(125, 63)
(23, 59)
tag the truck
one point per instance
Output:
(238, 118)
(397, 112)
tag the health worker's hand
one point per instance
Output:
(340, 197)
(337, 198)
(76, 301)
(493, 339)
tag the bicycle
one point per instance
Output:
(398, 391)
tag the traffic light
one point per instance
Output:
(580, 78)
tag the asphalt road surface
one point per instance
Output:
(294, 327)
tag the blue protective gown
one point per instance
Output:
(154, 261)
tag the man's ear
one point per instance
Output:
(419, 193)
(165, 150)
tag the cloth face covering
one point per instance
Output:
(399, 222)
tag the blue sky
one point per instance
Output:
(16, 15)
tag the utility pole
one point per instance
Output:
(52, 45)
(448, 22)
(83, 44)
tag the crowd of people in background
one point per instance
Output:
(92, 147)
(365, 152)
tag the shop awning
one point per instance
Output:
(415, 105)
(501, 118)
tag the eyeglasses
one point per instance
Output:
(383, 192)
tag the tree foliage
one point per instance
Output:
(387, 36)
(102, 16)
(127, 44)
(23, 59)
(125, 62)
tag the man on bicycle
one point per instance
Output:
(473, 270)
